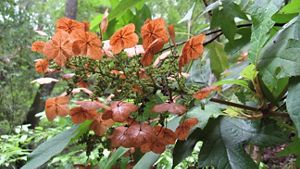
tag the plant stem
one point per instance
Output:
(234, 104)
(217, 31)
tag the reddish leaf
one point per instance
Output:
(57, 106)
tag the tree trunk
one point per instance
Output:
(45, 90)
(71, 9)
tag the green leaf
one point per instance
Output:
(211, 110)
(82, 129)
(293, 102)
(242, 83)
(249, 72)
(121, 8)
(199, 73)
(50, 148)
(276, 91)
(234, 71)
(115, 156)
(288, 12)
(292, 7)
(147, 113)
(140, 16)
(292, 148)
(279, 52)
(229, 10)
(183, 149)
(212, 6)
(95, 23)
(218, 58)
(261, 12)
(188, 15)
(283, 18)
(224, 140)
(234, 47)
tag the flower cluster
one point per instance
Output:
(120, 79)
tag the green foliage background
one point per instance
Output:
(219, 139)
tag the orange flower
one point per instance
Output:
(139, 134)
(123, 38)
(56, 106)
(38, 46)
(69, 25)
(171, 31)
(204, 93)
(41, 65)
(104, 23)
(156, 145)
(86, 43)
(99, 126)
(152, 49)
(168, 136)
(183, 130)
(122, 110)
(79, 114)
(154, 29)
(173, 108)
(86, 26)
(119, 138)
(59, 48)
(192, 49)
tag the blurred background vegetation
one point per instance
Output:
(20, 100)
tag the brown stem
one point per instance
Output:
(234, 104)
(204, 44)
(217, 31)
(276, 114)
(265, 114)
